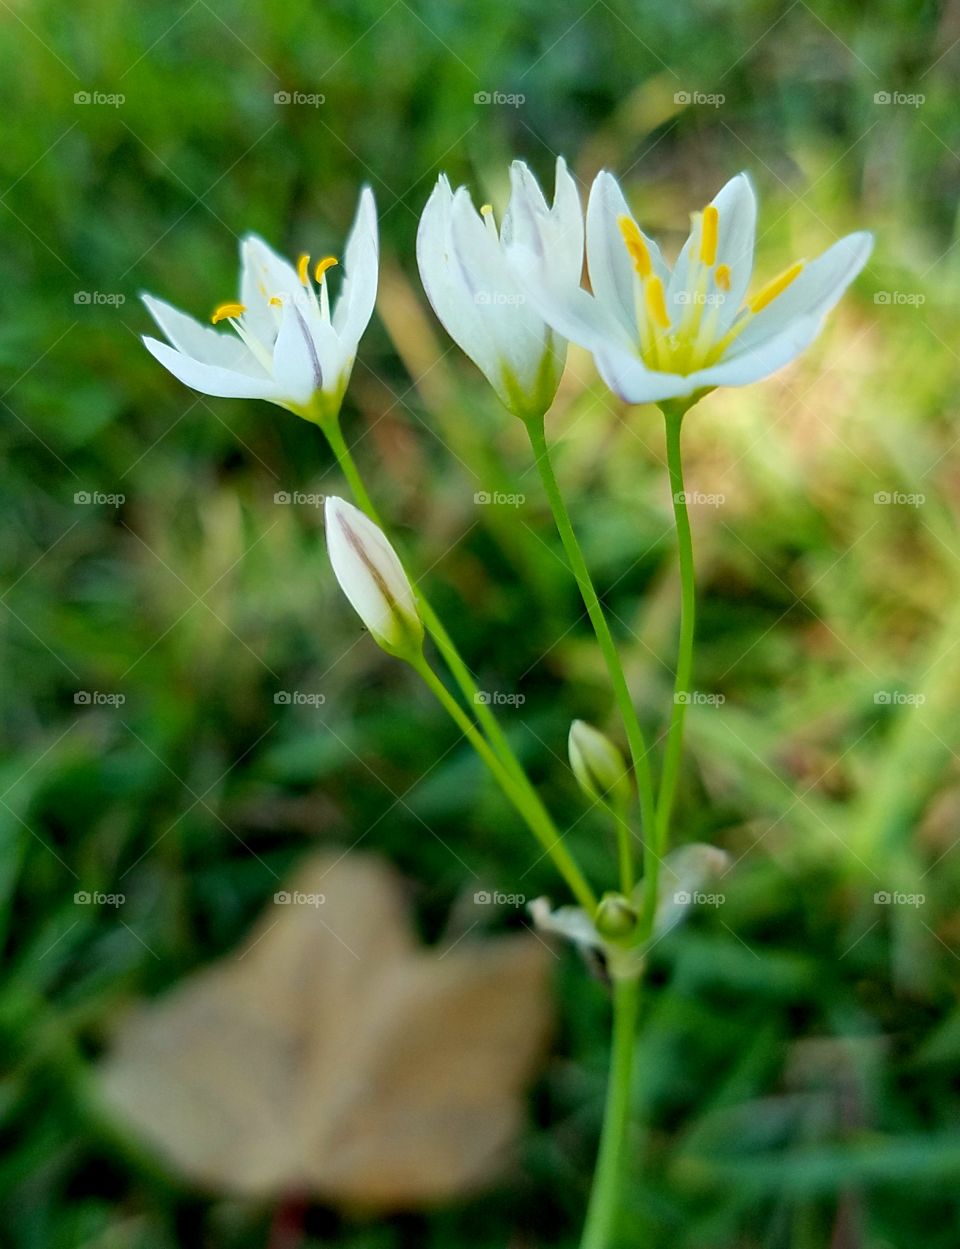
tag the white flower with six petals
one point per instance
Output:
(288, 347)
(660, 335)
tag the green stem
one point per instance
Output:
(673, 417)
(604, 1205)
(536, 818)
(578, 565)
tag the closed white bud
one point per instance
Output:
(598, 765)
(372, 578)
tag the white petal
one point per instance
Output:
(558, 231)
(736, 206)
(447, 284)
(627, 376)
(296, 365)
(210, 379)
(611, 270)
(361, 263)
(263, 276)
(572, 312)
(201, 342)
(817, 289)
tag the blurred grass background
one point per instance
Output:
(797, 1068)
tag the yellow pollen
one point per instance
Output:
(486, 210)
(303, 269)
(275, 301)
(323, 265)
(228, 311)
(709, 228)
(722, 276)
(635, 245)
(656, 302)
(772, 289)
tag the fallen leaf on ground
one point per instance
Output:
(335, 1055)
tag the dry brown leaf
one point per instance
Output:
(334, 1055)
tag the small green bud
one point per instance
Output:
(616, 917)
(598, 765)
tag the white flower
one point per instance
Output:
(287, 346)
(372, 578)
(474, 294)
(659, 335)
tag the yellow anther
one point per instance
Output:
(228, 312)
(303, 269)
(722, 276)
(656, 302)
(322, 266)
(709, 228)
(635, 245)
(772, 289)
(486, 210)
(275, 301)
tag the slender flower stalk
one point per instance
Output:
(635, 738)
(604, 1204)
(371, 576)
(536, 819)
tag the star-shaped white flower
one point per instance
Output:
(477, 298)
(288, 346)
(658, 334)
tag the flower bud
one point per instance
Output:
(598, 765)
(372, 578)
(616, 917)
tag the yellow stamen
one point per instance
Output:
(709, 228)
(303, 269)
(486, 210)
(772, 289)
(323, 265)
(228, 311)
(275, 301)
(722, 276)
(656, 302)
(633, 239)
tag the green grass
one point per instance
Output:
(798, 1055)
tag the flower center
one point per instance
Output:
(692, 338)
(233, 312)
